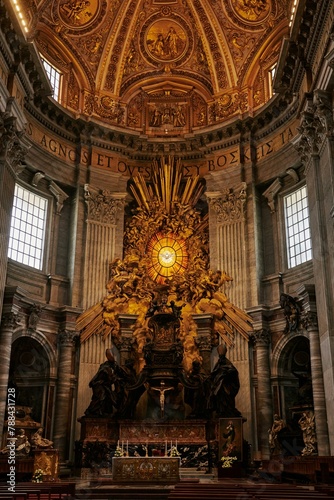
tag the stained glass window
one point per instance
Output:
(168, 255)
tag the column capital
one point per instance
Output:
(261, 338)
(67, 338)
(10, 320)
(310, 320)
(229, 203)
(126, 343)
(103, 206)
(12, 147)
(203, 342)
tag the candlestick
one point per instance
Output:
(176, 445)
(127, 448)
(166, 448)
(122, 447)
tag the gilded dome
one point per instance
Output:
(161, 66)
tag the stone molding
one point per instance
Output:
(271, 194)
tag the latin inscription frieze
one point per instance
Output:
(220, 160)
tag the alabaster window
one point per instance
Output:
(298, 237)
(54, 76)
(27, 232)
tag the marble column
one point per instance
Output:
(62, 426)
(316, 149)
(8, 323)
(264, 405)
(319, 399)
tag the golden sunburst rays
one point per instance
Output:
(168, 185)
(169, 256)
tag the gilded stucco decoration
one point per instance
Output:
(78, 16)
(251, 10)
(109, 51)
(166, 40)
(77, 13)
(166, 267)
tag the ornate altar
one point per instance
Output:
(164, 312)
(145, 469)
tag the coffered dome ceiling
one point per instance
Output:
(158, 66)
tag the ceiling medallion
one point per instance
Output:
(252, 11)
(78, 14)
(166, 40)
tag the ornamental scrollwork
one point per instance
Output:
(230, 205)
(102, 207)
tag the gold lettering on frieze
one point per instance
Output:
(51, 144)
(224, 160)
(115, 164)
(272, 145)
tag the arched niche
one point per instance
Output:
(30, 373)
(292, 371)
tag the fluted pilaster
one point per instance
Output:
(227, 238)
(264, 408)
(101, 239)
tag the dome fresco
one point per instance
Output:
(161, 67)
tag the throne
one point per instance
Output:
(163, 353)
